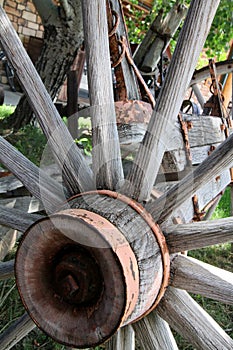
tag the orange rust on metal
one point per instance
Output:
(189, 125)
(66, 267)
(212, 148)
(138, 74)
(198, 214)
(116, 57)
(184, 130)
(158, 235)
(133, 111)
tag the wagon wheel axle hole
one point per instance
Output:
(76, 276)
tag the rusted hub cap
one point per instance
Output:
(77, 276)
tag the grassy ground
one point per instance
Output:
(30, 141)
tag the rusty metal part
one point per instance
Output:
(133, 111)
(198, 214)
(212, 148)
(215, 105)
(138, 74)
(75, 270)
(184, 130)
(120, 90)
(152, 301)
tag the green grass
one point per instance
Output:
(5, 111)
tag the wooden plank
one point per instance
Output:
(47, 190)
(191, 40)
(7, 240)
(198, 234)
(198, 277)
(192, 322)
(17, 331)
(6, 269)
(77, 174)
(152, 332)
(209, 169)
(17, 219)
(124, 339)
(107, 164)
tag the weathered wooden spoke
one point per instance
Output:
(199, 234)
(17, 331)
(203, 279)
(153, 332)
(192, 322)
(98, 268)
(17, 219)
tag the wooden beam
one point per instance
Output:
(124, 339)
(17, 219)
(191, 40)
(77, 174)
(7, 269)
(107, 164)
(198, 277)
(47, 190)
(17, 331)
(152, 332)
(199, 234)
(192, 322)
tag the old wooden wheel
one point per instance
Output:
(101, 257)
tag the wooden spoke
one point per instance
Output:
(76, 172)
(6, 269)
(192, 322)
(153, 332)
(190, 43)
(199, 234)
(200, 278)
(47, 190)
(17, 331)
(209, 169)
(17, 219)
(223, 67)
(106, 156)
(124, 339)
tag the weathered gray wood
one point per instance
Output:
(107, 164)
(124, 339)
(211, 168)
(17, 331)
(77, 174)
(162, 36)
(17, 219)
(199, 234)
(7, 269)
(200, 278)
(223, 67)
(47, 190)
(192, 322)
(153, 333)
(191, 40)
(9, 183)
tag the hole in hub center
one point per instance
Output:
(77, 278)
